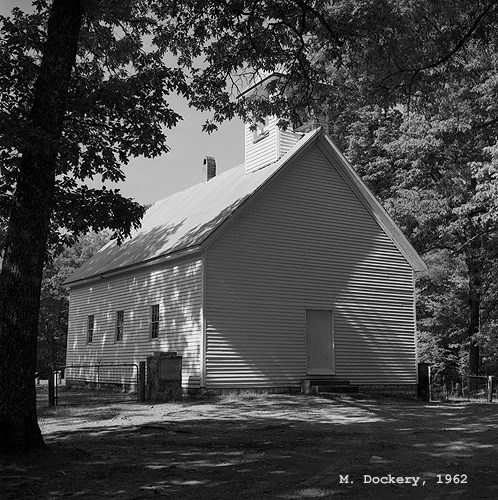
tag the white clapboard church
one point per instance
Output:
(279, 270)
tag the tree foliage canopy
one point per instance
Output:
(118, 107)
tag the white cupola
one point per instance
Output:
(268, 143)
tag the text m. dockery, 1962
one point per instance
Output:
(410, 480)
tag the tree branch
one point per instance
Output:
(468, 242)
(460, 44)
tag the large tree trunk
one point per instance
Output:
(27, 234)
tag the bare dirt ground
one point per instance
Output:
(263, 447)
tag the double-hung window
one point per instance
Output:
(89, 328)
(154, 322)
(119, 325)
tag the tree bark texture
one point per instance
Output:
(27, 233)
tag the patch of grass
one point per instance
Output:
(243, 396)
(56, 411)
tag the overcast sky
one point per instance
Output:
(150, 180)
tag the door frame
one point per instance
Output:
(331, 347)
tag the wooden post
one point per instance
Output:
(51, 387)
(306, 387)
(141, 381)
(490, 389)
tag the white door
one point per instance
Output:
(320, 342)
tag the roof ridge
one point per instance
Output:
(218, 175)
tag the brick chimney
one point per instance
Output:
(209, 168)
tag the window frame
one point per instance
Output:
(154, 322)
(119, 326)
(262, 130)
(90, 328)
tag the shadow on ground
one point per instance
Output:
(263, 447)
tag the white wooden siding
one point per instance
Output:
(287, 140)
(177, 288)
(307, 243)
(268, 149)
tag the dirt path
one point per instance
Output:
(264, 447)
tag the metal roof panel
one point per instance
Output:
(184, 219)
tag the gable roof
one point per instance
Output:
(186, 221)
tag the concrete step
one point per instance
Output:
(336, 388)
(328, 381)
(327, 385)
